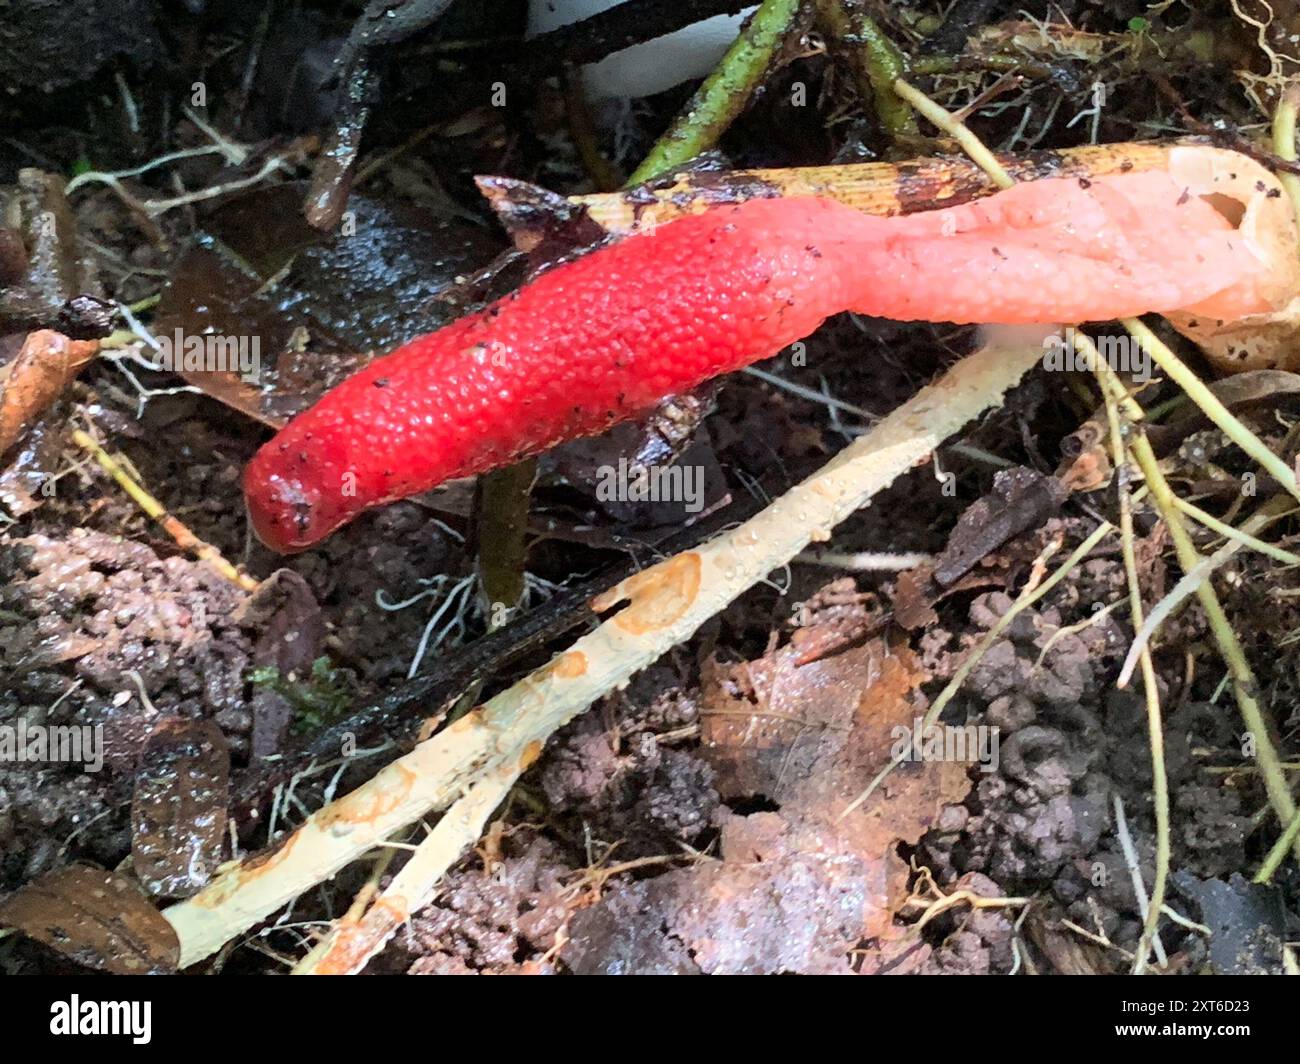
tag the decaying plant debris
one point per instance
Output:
(671, 744)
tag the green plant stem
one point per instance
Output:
(724, 93)
(1150, 687)
(1284, 120)
(1174, 368)
(875, 61)
(1243, 677)
(502, 508)
(1275, 856)
(1240, 535)
(1244, 685)
(926, 66)
(970, 144)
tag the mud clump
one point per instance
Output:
(621, 778)
(1070, 744)
(1048, 802)
(102, 633)
(491, 921)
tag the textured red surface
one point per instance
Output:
(603, 338)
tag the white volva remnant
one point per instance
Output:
(647, 68)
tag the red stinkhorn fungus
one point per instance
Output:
(603, 338)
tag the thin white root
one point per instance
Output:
(664, 606)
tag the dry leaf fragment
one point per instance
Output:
(47, 363)
(96, 918)
(799, 885)
(178, 811)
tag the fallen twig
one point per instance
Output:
(185, 539)
(351, 943)
(875, 60)
(875, 187)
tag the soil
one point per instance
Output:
(690, 822)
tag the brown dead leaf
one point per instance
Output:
(291, 631)
(811, 737)
(95, 918)
(984, 538)
(835, 616)
(914, 595)
(311, 308)
(799, 914)
(537, 219)
(178, 811)
(1021, 499)
(28, 477)
(801, 884)
(47, 363)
